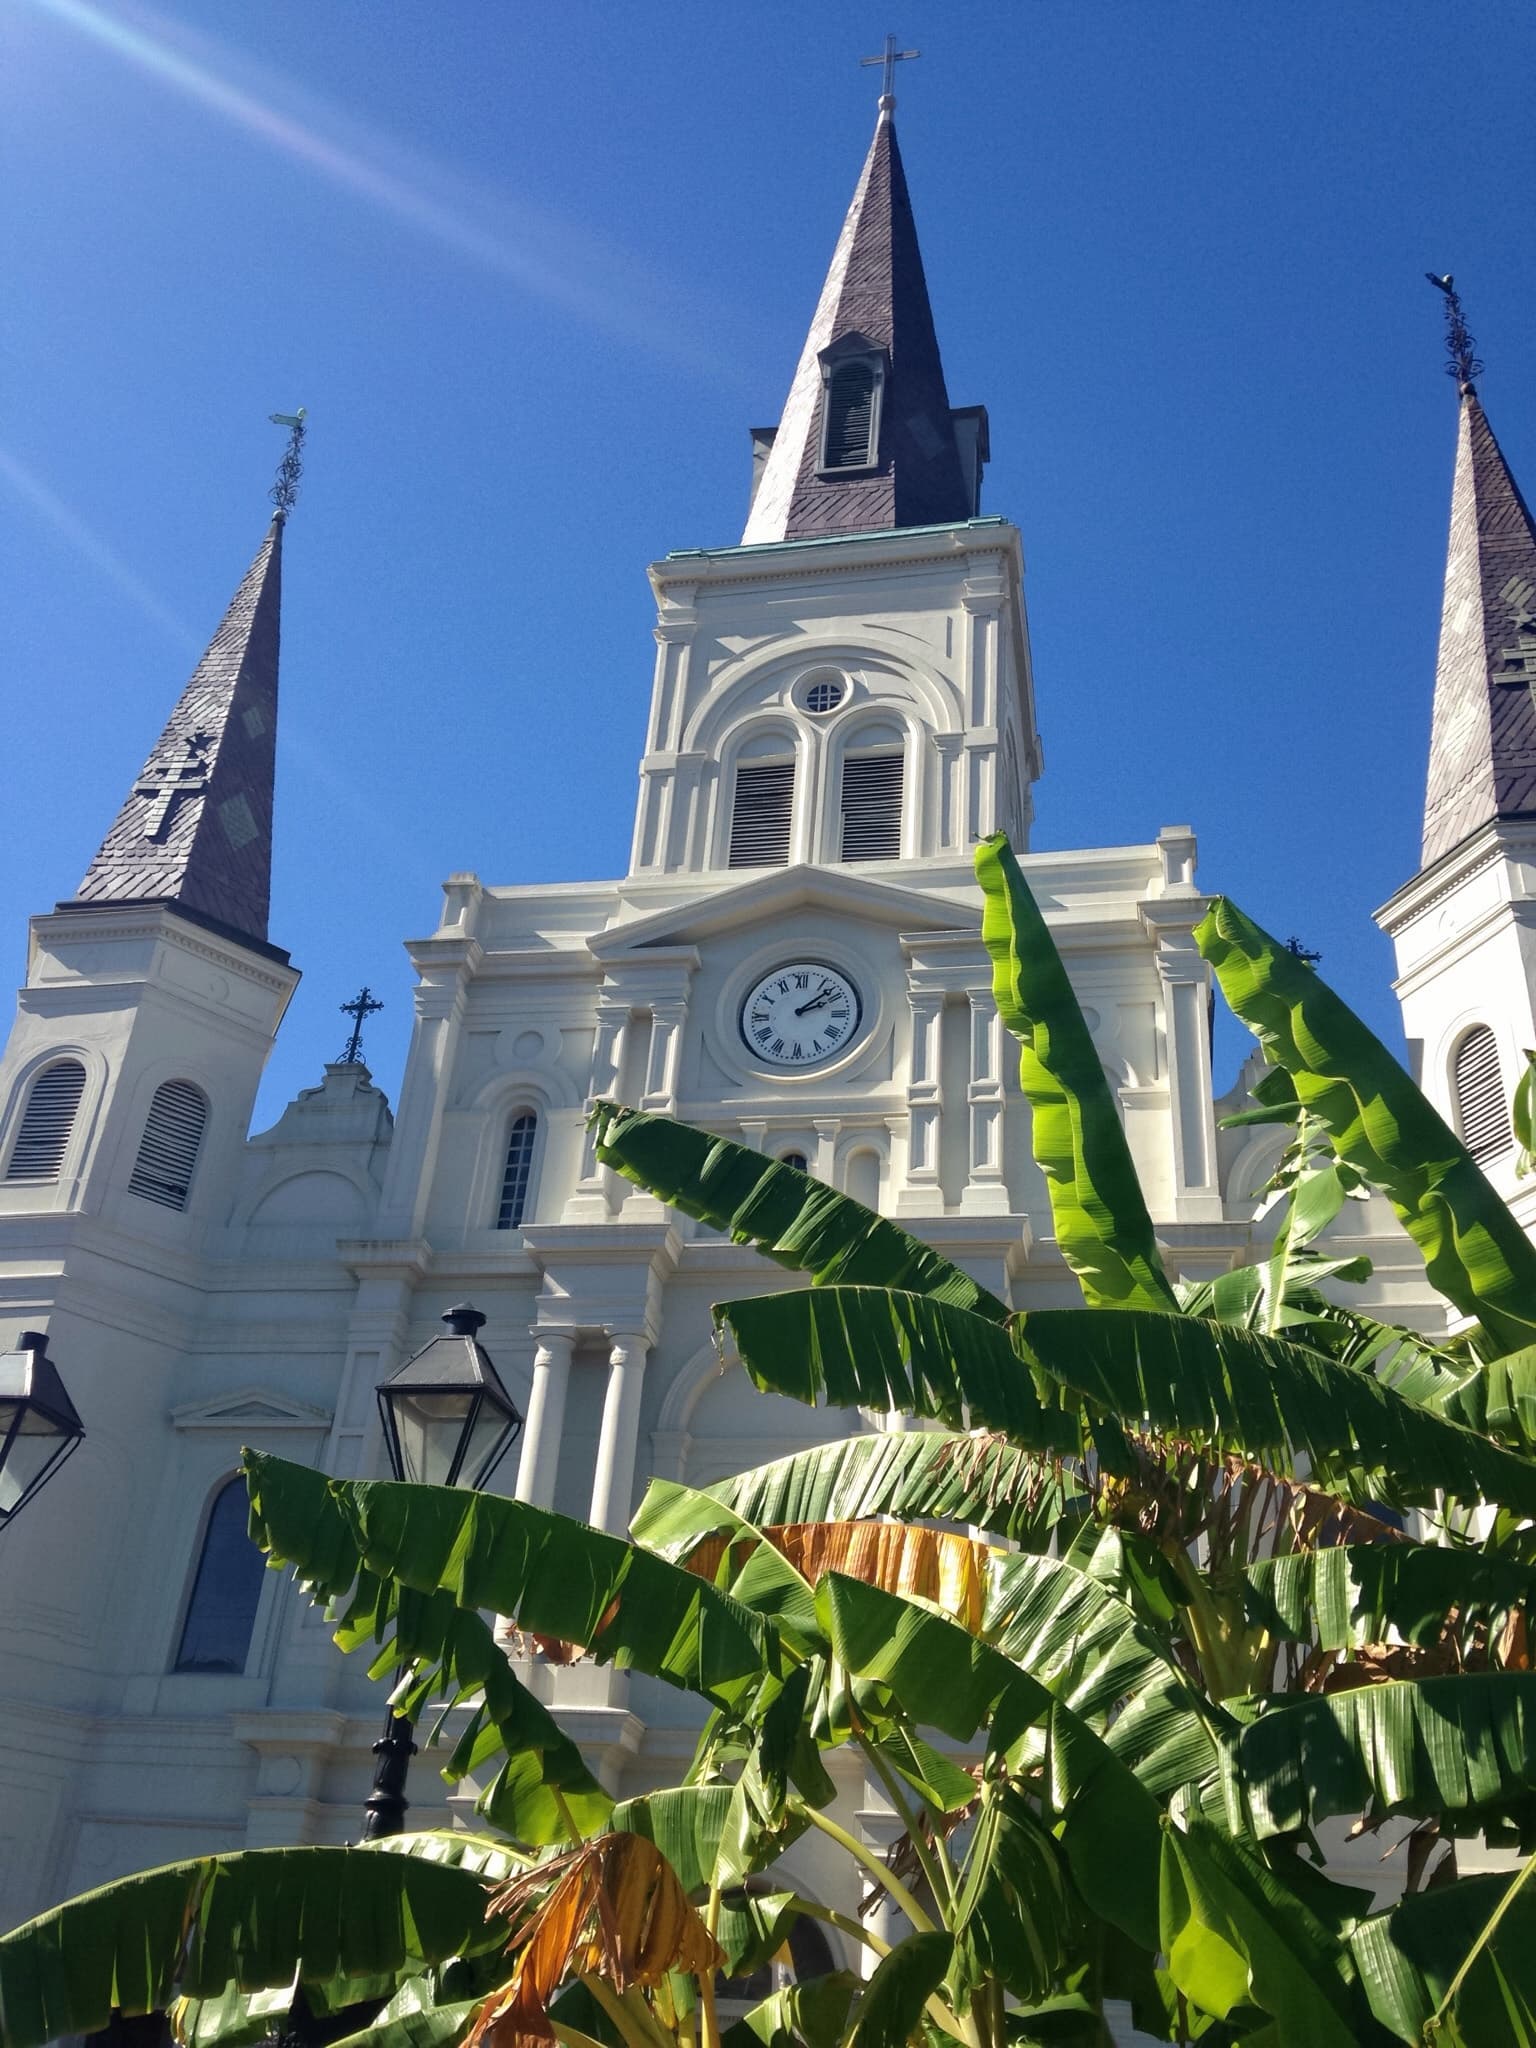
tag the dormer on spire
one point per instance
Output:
(868, 440)
(1482, 750)
(196, 828)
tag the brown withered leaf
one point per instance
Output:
(938, 1565)
(613, 1909)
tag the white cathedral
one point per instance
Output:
(843, 705)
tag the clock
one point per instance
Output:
(800, 1014)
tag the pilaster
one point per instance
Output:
(1169, 920)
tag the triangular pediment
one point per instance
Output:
(250, 1408)
(767, 898)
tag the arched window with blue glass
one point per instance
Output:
(226, 1589)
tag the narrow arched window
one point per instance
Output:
(871, 807)
(848, 439)
(797, 1160)
(517, 1174)
(1482, 1114)
(221, 1612)
(762, 811)
(173, 1135)
(46, 1122)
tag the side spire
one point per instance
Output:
(195, 830)
(868, 439)
(1482, 749)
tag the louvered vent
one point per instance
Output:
(871, 807)
(850, 416)
(168, 1149)
(46, 1123)
(519, 1171)
(1481, 1111)
(761, 814)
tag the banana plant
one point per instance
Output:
(1179, 1577)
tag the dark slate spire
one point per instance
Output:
(196, 829)
(1482, 749)
(874, 305)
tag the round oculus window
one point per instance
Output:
(800, 1014)
(825, 694)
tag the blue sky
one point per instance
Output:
(535, 271)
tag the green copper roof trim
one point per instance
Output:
(833, 540)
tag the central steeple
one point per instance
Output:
(868, 440)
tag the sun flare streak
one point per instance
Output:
(71, 528)
(353, 170)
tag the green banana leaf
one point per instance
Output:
(439, 2027)
(859, 1347)
(1102, 1225)
(1269, 1398)
(553, 1576)
(1069, 1630)
(812, 2015)
(1348, 1595)
(1104, 1371)
(1458, 1749)
(968, 1476)
(1408, 1958)
(447, 1654)
(252, 1919)
(1013, 1918)
(891, 2007)
(1475, 1252)
(1238, 1942)
(942, 1677)
(792, 1218)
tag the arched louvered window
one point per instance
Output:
(517, 1175)
(762, 811)
(871, 807)
(1482, 1113)
(46, 1123)
(849, 427)
(221, 1613)
(168, 1150)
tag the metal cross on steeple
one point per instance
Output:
(362, 1005)
(890, 58)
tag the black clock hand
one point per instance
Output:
(816, 1002)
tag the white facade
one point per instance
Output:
(309, 1260)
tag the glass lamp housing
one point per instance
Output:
(448, 1420)
(39, 1426)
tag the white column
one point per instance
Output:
(1170, 919)
(985, 1191)
(592, 1199)
(661, 1067)
(539, 1459)
(824, 1165)
(418, 1124)
(613, 1480)
(921, 1195)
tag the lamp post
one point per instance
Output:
(39, 1425)
(448, 1421)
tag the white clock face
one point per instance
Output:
(800, 1015)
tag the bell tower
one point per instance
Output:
(849, 684)
(1465, 927)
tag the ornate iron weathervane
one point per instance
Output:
(285, 492)
(362, 1005)
(1462, 360)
